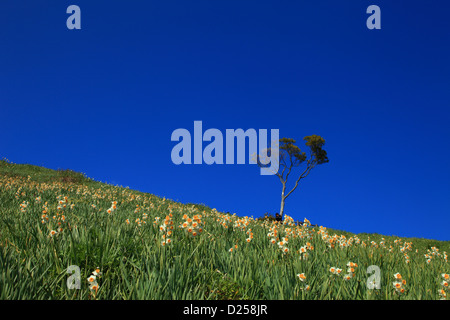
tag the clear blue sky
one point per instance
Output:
(105, 99)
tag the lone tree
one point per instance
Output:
(290, 157)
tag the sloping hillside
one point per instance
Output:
(125, 244)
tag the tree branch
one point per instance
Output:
(310, 165)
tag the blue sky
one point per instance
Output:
(104, 100)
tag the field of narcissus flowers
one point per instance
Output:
(59, 227)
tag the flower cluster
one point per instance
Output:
(342, 241)
(407, 260)
(407, 246)
(304, 232)
(288, 221)
(304, 251)
(242, 223)
(92, 280)
(58, 219)
(223, 220)
(335, 270)
(273, 234)
(62, 202)
(306, 222)
(139, 221)
(44, 216)
(283, 245)
(444, 286)
(399, 283)
(302, 278)
(434, 253)
(250, 235)
(18, 193)
(192, 225)
(166, 229)
(23, 206)
(138, 208)
(166, 240)
(113, 207)
(350, 270)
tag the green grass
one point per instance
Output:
(135, 264)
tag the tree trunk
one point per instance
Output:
(283, 198)
(282, 208)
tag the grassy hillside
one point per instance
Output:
(133, 245)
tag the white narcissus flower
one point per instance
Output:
(94, 286)
(97, 272)
(301, 276)
(398, 286)
(443, 294)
